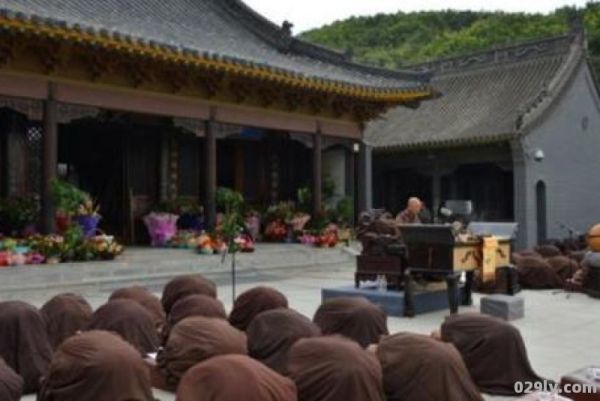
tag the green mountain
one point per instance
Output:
(401, 39)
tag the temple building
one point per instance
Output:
(516, 131)
(143, 101)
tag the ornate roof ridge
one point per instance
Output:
(496, 56)
(280, 37)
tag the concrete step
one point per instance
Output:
(154, 267)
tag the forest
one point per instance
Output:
(403, 39)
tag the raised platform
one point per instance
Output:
(154, 267)
(392, 302)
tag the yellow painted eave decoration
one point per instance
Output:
(392, 96)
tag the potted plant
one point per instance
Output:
(190, 214)
(71, 202)
(87, 217)
(18, 215)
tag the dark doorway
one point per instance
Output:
(541, 212)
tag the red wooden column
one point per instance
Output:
(210, 173)
(317, 172)
(49, 159)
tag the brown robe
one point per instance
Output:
(234, 378)
(536, 273)
(131, 321)
(563, 266)
(65, 315)
(254, 301)
(24, 343)
(417, 367)
(355, 318)
(193, 305)
(271, 335)
(548, 250)
(334, 369)
(97, 366)
(145, 298)
(194, 340)
(493, 351)
(182, 286)
(11, 384)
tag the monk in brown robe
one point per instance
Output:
(65, 315)
(335, 369)
(182, 286)
(355, 318)
(131, 321)
(493, 351)
(193, 305)
(11, 384)
(272, 333)
(24, 343)
(192, 341)
(234, 378)
(254, 301)
(417, 367)
(97, 366)
(145, 298)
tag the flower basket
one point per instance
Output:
(89, 224)
(276, 231)
(162, 227)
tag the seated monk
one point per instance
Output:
(145, 298)
(417, 367)
(410, 215)
(193, 340)
(535, 272)
(334, 369)
(563, 266)
(11, 384)
(254, 301)
(234, 378)
(271, 335)
(182, 286)
(355, 318)
(131, 321)
(65, 315)
(193, 305)
(96, 366)
(24, 343)
(493, 351)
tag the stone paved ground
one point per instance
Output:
(561, 333)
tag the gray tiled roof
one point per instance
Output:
(220, 28)
(488, 96)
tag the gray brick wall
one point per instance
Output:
(569, 136)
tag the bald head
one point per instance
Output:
(414, 205)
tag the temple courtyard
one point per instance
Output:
(559, 329)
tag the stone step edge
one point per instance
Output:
(210, 274)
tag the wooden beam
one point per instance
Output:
(317, 173)
(49, 159)
(210, 174)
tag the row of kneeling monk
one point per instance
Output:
(262, 351)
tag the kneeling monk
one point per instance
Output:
(492, 349)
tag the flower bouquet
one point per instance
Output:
(244, 243)
(298, 222)
(104, 247)
(162, 227)
(276, 231)
(252, 223)
(185, 239)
